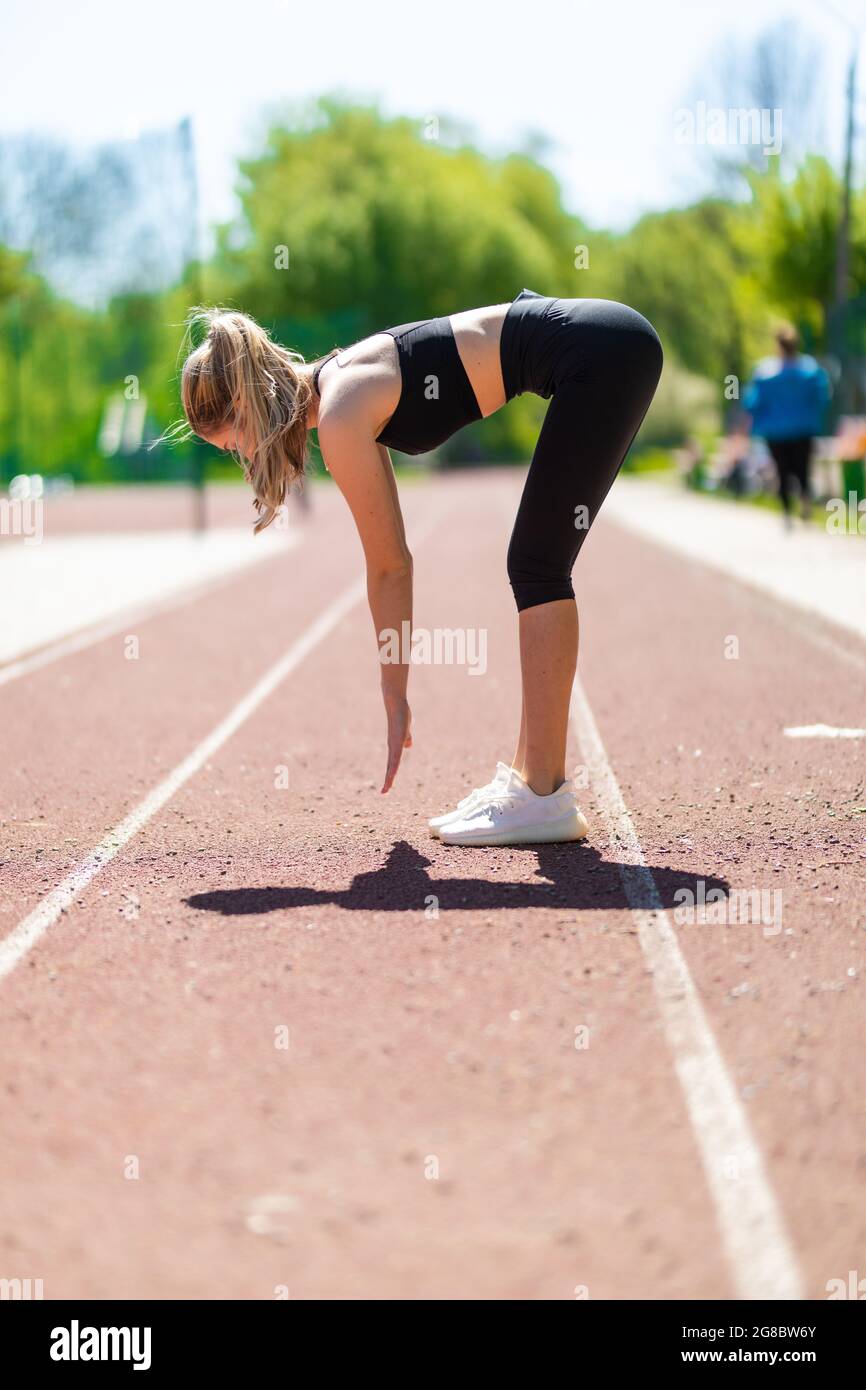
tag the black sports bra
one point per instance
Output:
(436, 398)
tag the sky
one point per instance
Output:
(602, 81)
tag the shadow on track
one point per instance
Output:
(570, 875)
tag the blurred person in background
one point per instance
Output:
(785, 401)
(411, 388)
(692, 463)
(734, 450)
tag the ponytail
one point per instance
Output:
(238, 376)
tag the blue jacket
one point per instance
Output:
(786, 398)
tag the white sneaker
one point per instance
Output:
(514, 815)
(499, 779)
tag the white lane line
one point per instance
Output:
(822, 731)
(91, 636)
(762, 1261)
(14, 947)
(120, 622)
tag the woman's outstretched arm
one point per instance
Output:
(362, 470)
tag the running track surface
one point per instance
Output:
(281, 1042)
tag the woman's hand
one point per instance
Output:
(399, 734)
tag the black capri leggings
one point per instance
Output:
(792, 458)
(599, 364)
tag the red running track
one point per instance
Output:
(481, 1095)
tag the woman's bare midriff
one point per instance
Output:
(477, 334)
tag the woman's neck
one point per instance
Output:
(313, 407)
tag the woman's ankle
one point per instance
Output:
(541, 782)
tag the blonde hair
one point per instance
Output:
(238, 376)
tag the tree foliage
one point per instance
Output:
(350, 221)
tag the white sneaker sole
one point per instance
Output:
(571, 827)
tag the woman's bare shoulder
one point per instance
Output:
(377, 349)
(360, 386)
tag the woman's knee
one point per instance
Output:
(536, 581)
(640, 344)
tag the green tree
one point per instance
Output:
(795, 249)
(381, 225)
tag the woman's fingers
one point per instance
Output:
(399, 737)
(394, 755)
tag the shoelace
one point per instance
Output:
(498, 800)
(476, 792)
(488, 789)
(495, 803)
(482, 791)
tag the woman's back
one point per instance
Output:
(417, 383)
